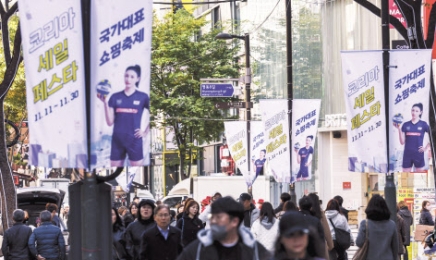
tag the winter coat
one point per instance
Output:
(15, 240)
(189, 227)
(408, 220)
(154, 246)
(251, 214)
(316, 224)
(266, 232)
(383, 239)
(133, 236)
(205, 248)
(339, 221)
(401, 232)
(49, 241)
(118, 245)
(426, 218)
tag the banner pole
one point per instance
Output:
(390, 190)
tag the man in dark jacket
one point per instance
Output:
(408, 220)
(251, 213)
(161, 241)
(15, 239)
(50, 243)
(305, 204)
(283, 198)
(226, 238)
(133, 233)
(344, 211)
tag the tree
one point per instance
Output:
(181, 56)
(11, 61)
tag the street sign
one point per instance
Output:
(216, 90)
(225, 105)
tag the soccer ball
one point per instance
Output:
(398, 119)
(103, 88)
(297, 146)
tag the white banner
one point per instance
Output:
(409, 86)
(305, 116)
(55, 84)
(236, 135)
(276, 126)
(258, 151)
(120, 82)
(362, 73)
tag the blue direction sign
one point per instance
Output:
(216, 90)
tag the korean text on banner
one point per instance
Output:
(55, 83)
(409, 86)
(258, 151)
(120, 82)
(276, 128)
(362, 73)
(305, 117)
(236, 134)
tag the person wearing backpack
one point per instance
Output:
(337, 221)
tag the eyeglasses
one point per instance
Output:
(163, 215)
(296, 234)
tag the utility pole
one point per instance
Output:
(390, 190)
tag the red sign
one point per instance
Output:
(395, 12)
(346, 185)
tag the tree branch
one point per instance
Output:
(12, 66)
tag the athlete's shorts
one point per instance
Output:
(416, 159)
(303, 172)
(126, 144)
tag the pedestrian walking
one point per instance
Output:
(284, 197)
(401, 232)
(266, 228)
(426, 218)
(297, 239)
(190, 224)
(305, 204)
(15, 246)
(408, 219)
(251, 213)
(287, 206)
(47, 242)
(343, 211)
(380, 229)
(319, 214)
(334, 215)
(134, 231)
(118, 243)
(227, 237)
(162, 241)
(204, 216)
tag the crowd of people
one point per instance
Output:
(224, 229)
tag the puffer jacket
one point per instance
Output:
(266, 232)
(15, 242)
(205, 248)
(426, 218)
(339, 221)
(50, 242)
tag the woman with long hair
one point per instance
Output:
(118, 243)
(266, 228)
(382, 232)
(297, 240)
(333, 214)
(316, 211)
(426, 218)
(190, 224)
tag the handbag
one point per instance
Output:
(362, 252)
(422, 231)
(343, 238)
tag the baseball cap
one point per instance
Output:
(228, 205)
(244, 196)
(291, 222)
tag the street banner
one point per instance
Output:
(236, 136)
(362, 74)
(305, 116)
(409, 91)
(276, 128)
(55, 82)
(120, 82)
(258, 151)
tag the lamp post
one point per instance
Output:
(246, 39)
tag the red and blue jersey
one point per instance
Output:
(128, 110)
